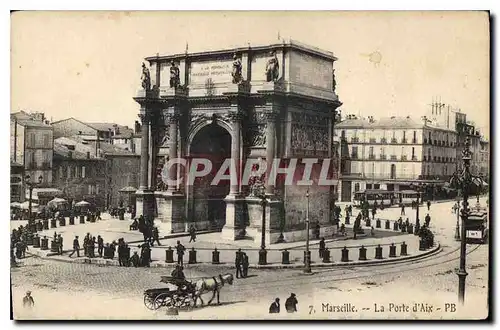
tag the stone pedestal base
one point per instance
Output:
(145, 204)
(272, 225)
(235, 218)
(171, 213)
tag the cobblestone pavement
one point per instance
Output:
(89, 291)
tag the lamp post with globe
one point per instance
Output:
(31, 185)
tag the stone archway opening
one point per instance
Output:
(213, 143)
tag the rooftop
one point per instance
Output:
(386, 123)
(282, 43)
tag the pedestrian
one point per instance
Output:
(428, 205)
(121, 252)
(156, 236)
(28, 300)
(372, 231)
(60, 244)
(237, 263)
(427, 220)
(76, 248)
(146, 255)
(322, 246)
(24, 248)
(192, 233)
(403, 209)
(100, 245)
(19, 250)
(275, 307)
(374, 212)
(244, 264)
(92, 243)
(317, 230)
(291, 304)
(180, 253)
(134, 260)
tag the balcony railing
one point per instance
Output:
(414, 141)
(372, 140)
(354, 139)
(393, 157)
(383, 157)
(354, 156)
(383, 140)
(413, 157)
(404, 141)
(403, 157)
(371, 156)
(394, 141)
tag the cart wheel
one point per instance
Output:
(149, 302)
(163, 299)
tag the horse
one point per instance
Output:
(211, 284)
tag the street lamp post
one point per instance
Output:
(307, 259)
(464, 180)
(31, 185)
(457, 227)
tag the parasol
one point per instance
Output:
(82, 203)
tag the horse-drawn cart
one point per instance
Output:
(182, 296)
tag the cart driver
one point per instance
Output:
(179, 277)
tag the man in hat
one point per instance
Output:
(238, 260)
(291, 304)
(275, 306)
(192, 233)
(100, 245)
(180, 253)
(156, 236)
(60, 243)
(28, 300)
(76, 247)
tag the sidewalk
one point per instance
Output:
(205, 245)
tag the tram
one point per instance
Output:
(476, 228)
(407, 197)
(372, 196)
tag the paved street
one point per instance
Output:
(90, 291)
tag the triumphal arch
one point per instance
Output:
(250, 104)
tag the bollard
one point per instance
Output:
(403, 228)
(36, 241)
(378, 223)
(169, 255)
(53, 223)
(368, 222)
(62, 222)
(395, 227)
(285, 257)
(44, 243)
(410, 228)
(345, 255)
(45, 224)
(53, 246)
(347, 220)
(215, 257)
(392, 251)
(387, 224)
(82, 219)
(192, 256)
(378, 252)
(421, 245)
(262, 256)
(404, 249)
(29, 239)
(326, 255)
(71, 220)
(362, 253)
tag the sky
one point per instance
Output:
(87, 65)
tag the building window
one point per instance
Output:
(368, 186)
(413, 154)
(354, 154)
(376, 186)
(342, 134)
(371, 155)
(83, 171)
(404, 136)
(46, 141)
(60, 172)
(414, 137)
(69, 171)
(356, 187)
(430, 139)
(90, 189)
(32, 138)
